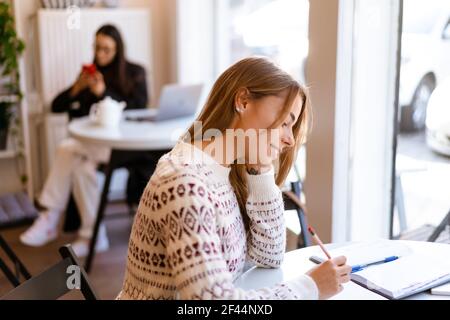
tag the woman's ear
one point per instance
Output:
(241, 99)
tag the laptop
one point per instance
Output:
(176, 101)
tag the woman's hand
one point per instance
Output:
(330, 275)
(97, 84)
(255, 169)
(81, 84)
(267, 153)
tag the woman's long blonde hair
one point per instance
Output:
(261, 78)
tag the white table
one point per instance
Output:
(129, 140)
(297, 262)
(131, 135)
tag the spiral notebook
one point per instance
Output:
(414, 271)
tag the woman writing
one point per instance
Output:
(213, 204)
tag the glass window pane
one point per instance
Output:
(423, 153)
(274, 28)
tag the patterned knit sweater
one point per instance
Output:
(188, 239)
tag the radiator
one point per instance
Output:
(63, 47)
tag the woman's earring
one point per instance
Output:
(239, 109)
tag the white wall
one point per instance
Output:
(195, 41)
(164, 41)
(9, 179)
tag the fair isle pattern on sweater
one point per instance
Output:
(188, 239)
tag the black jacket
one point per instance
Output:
(81, 104)
(140, 169)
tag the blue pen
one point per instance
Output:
(360, 267)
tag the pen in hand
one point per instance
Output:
(331, 274)
(355, 268)
(318, 241)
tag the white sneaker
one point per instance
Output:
(81, 245)
(43, 230)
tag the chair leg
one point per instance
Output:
(20, 267)
(9, 274)
(400, 204)
(304, 238)
(100, 211)
(441, 227)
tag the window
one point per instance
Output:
(419, 17)
(422, 172)
(366, 80)
(446, 33)
(277, 29)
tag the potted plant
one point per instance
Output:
(11, 47)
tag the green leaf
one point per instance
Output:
(11, 47)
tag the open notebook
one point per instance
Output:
(412, 273)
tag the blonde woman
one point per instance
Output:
(214, 201)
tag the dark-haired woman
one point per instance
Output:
(74, 168)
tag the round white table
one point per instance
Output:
(131, 135)
(297, 262)
(127, 141)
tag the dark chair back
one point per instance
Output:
(16, 210)
(292, 202)
(55, 281)
(20, 269)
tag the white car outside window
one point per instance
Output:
(425, 57)
(438, 119)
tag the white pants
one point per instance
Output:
(74, 170)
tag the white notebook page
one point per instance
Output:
(369, 251)
(407, 274)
